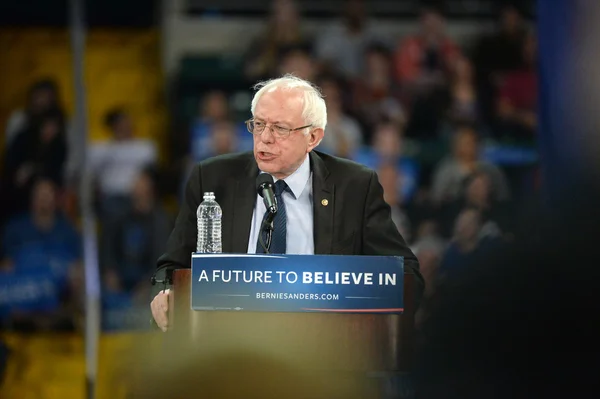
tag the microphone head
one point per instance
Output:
(262, 181)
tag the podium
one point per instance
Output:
(328, 342)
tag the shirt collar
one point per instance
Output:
(297, 180)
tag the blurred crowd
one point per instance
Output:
(450, 129)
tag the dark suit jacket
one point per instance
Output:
(356, 220)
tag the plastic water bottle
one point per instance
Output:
(209, 225)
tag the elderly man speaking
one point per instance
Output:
(332, 205)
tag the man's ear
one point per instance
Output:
(315, 137)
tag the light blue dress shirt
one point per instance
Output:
(299, 212)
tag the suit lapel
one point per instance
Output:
(323, 206)
(244, 201)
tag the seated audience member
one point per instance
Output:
(430, 252)
(137, 237)
(463, 102)
(468, 245)
(423, 62)
(431, 245)
(495, 215)
(298, 61)
(343, 135)
(222, 138)
(376, 96)
(218, 138)
(38, 151)
(498, 53)
(116, 163)
(42, 98)
(427, 231)
(41, 249)
(517, 98)
(391, 181)
(388, 148)
(214, 110)
(123, 310)
(423, 59)
(340, 48)
(450, 172)
(283, 30)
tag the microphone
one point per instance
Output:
(264, 187)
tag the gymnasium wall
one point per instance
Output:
(122, 68)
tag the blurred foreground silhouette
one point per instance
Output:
(235, 363)
(523, 322)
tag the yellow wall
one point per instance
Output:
(122, 67)
(53, 366)
(44, 367)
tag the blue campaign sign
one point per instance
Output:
(297, 283)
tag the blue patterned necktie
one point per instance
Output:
(278, 241)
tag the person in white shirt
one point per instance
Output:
(116, 163)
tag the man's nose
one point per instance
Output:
(266, 136)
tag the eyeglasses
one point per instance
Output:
(257, 127)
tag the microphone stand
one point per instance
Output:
(267, 225)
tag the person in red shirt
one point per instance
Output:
(424, 58)
(517, 98)
(422, 64)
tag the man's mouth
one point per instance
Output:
(265, 156)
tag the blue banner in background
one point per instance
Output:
(297, 283)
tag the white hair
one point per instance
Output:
(314, 111)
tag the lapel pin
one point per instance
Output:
(324, 202)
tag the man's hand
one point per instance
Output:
(160, 308)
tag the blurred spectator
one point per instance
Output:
(495, 215)
(429, 249)
(297, 60)
(122, 310)
(427, 231)
(39, 151)
(223, 139)
(463, 104)
(388, 148)
(42, 248)
(343, 136)
(283, 30)
(517, 97)
(376, 96)
(468, 244)
(341, 47)
(211, 133)
(429, 244)
(130, 246)
(43, 97)
(133, 241)
(213, 107)
(423, 63)
(465, 159)
(423, 60)
(214, 117)
(116, 163)
(390, 180)
(497, 54)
